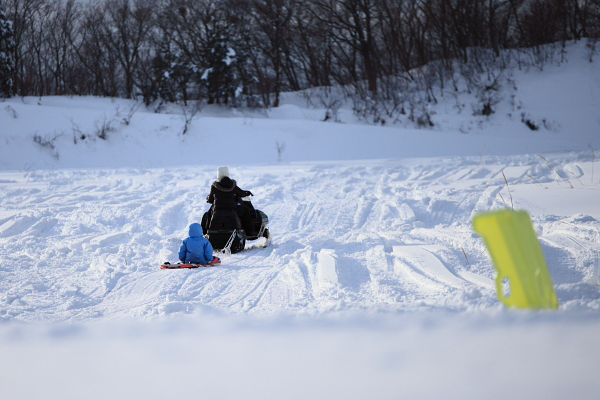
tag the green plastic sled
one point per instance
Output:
(517, 257)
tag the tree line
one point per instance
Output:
(246, 52)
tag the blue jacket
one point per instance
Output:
(196, 249)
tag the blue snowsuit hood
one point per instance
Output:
(196, 230)
(196, 248)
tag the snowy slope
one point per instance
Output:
(392, 235)
(375, 285)
(562, 100)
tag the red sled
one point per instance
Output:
(167, 265)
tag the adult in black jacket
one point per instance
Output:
(226, 195)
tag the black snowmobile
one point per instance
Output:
(226, 232)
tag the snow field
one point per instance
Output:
(391, 235)
(375, 285)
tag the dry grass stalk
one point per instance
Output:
(536, 181)
(512, 206)
(467, 258)
(502, 197)
(556, 172)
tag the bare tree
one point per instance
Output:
(97, 60)
(312, 48)
(23, 15)
(61, 58)
(127, 26)
(273, 20)
(352, 25)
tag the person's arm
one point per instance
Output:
(208, 252)
(182, 251)
(242, 193)
(211, 196)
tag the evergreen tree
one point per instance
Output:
(220, 76)
(7, 60)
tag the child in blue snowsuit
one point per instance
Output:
(196, 249)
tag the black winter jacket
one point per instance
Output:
(225, 194)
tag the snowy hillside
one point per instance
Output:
(561, 102)
(375, 285)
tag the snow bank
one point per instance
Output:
(59, 132)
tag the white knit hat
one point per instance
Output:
(222, 172)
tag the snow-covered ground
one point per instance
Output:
(375, 285)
